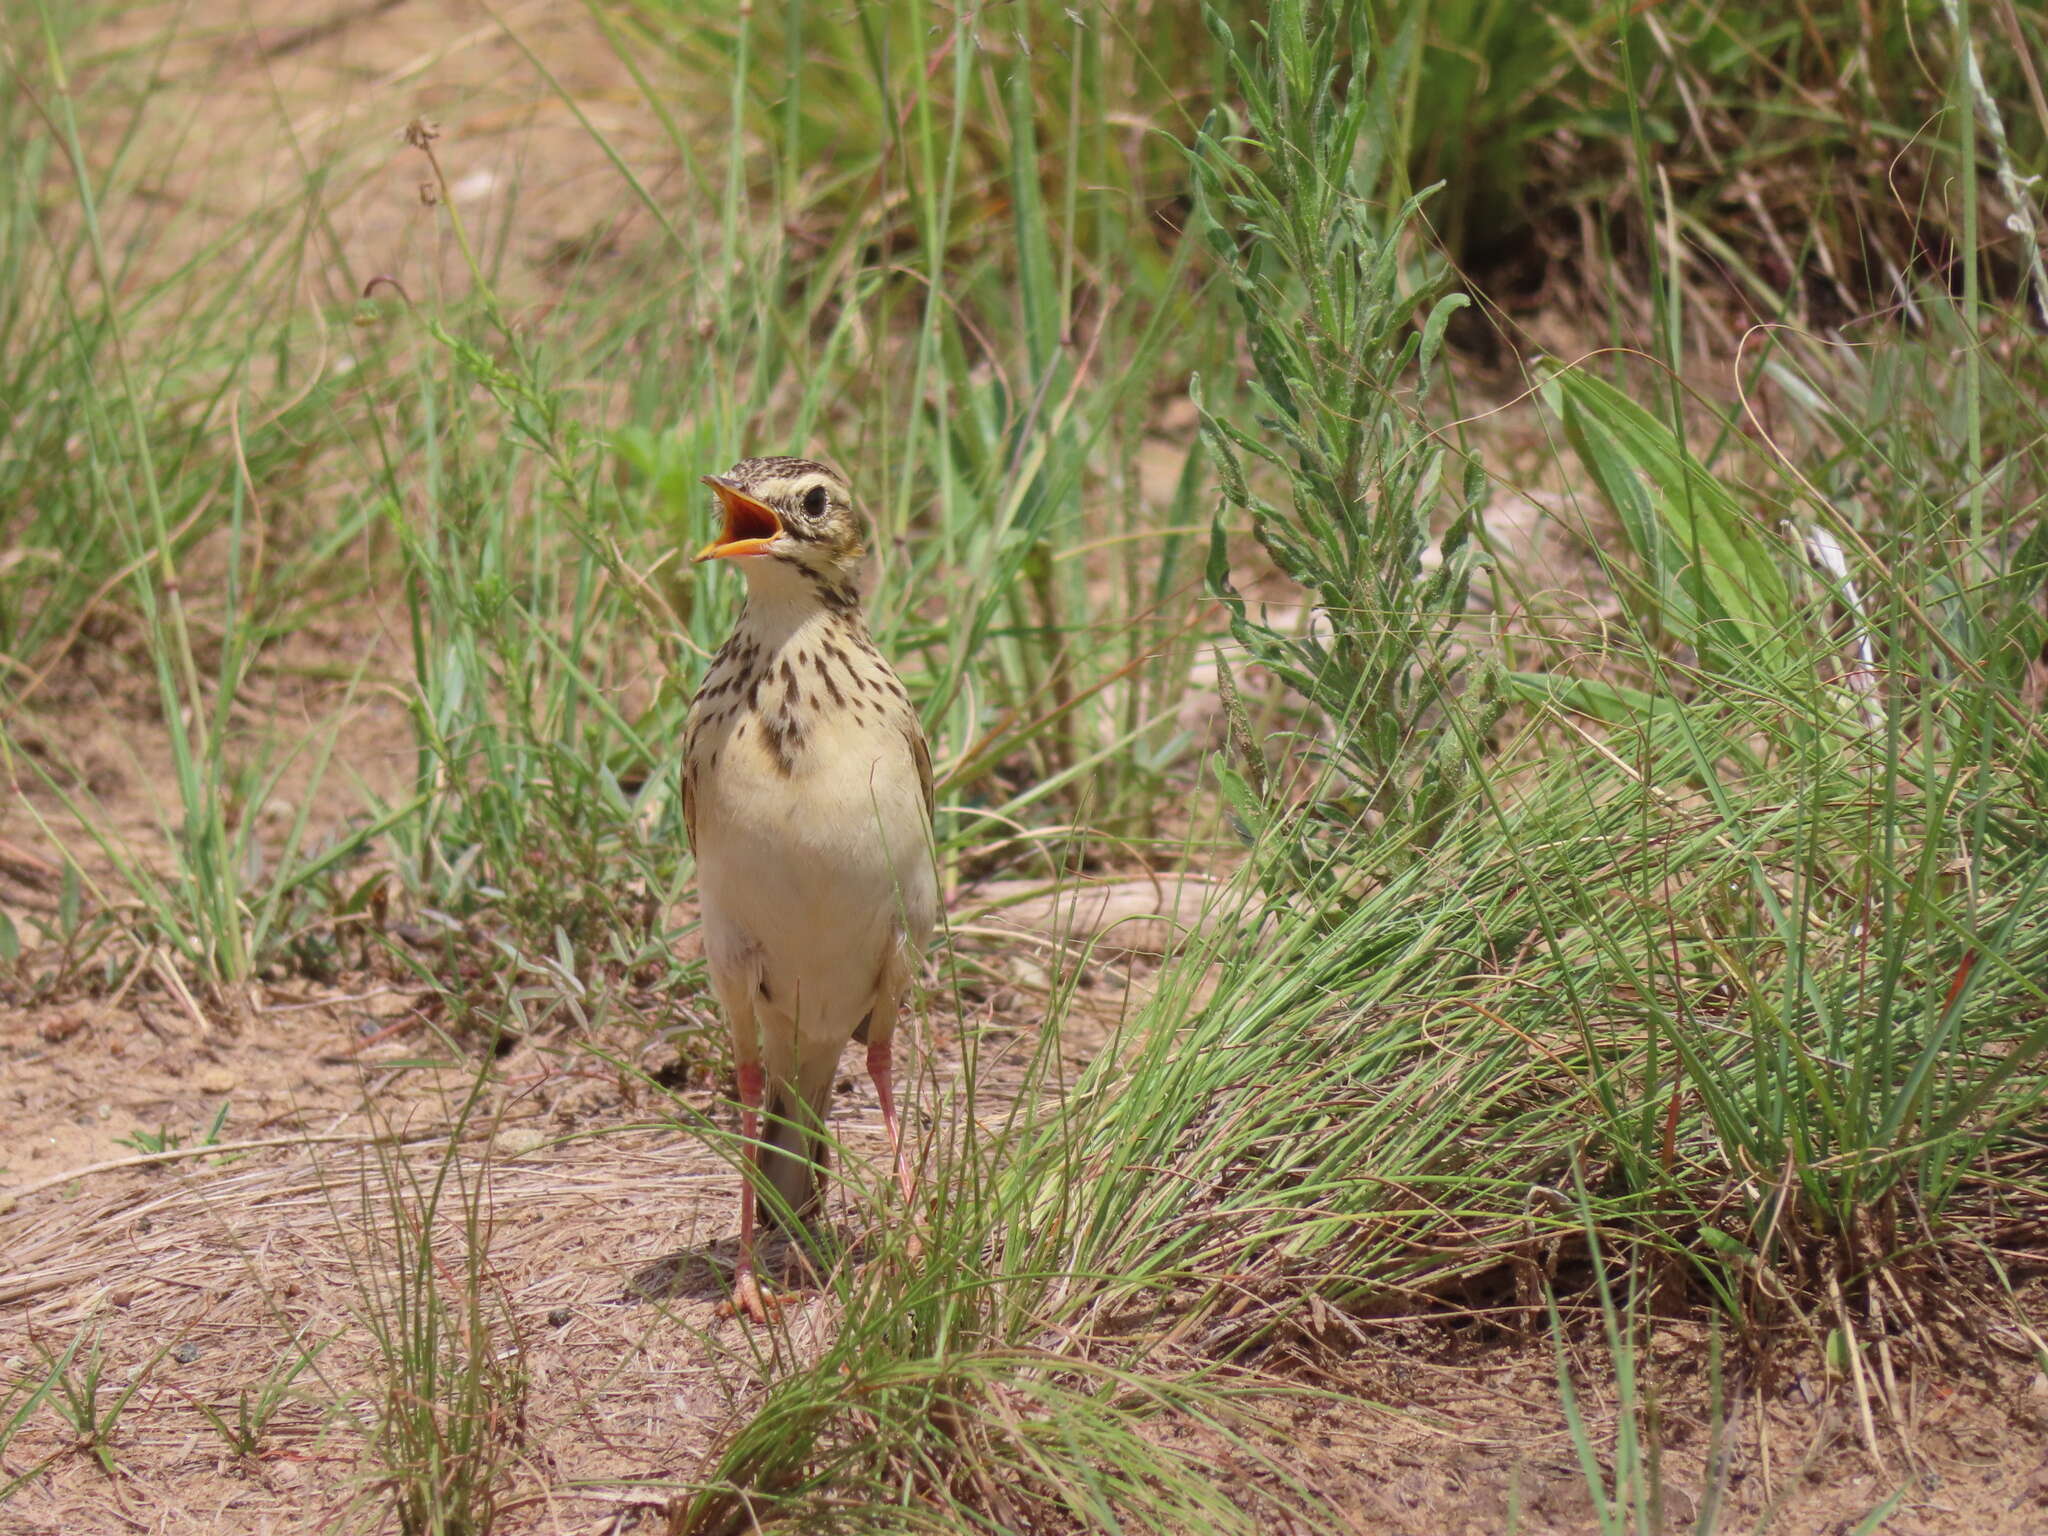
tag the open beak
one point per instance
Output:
(749, 525)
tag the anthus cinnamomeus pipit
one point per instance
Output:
(807, 798)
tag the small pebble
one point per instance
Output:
(521, 1141)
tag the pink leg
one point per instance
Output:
(747, 1296)
(881, 1069)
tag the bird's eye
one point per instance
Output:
(814, 501)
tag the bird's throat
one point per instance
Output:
(785, 596)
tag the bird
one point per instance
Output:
(808, 806)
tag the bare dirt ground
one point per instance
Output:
(1473, 1439)
(604, 1223)
(604, 1217)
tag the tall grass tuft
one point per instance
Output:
(1742, 916)
(450, 1416)
(135, 502)
(962, 1386)
(1343, 335)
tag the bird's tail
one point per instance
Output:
(794, 1153)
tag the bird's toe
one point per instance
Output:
(749, 1300)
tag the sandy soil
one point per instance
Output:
(603, 1221)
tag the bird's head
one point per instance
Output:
(796, 511)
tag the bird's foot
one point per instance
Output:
(748, 1300)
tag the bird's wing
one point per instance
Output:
(923, 754)
(690, 789)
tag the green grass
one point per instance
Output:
(245, 1425)
(1698, 934)
(79, 1391)
(450, 1414)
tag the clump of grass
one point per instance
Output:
(523, 753)
(245, 1426)
(1705, 993)
(954, 1439)
(1752, 942)
(1797, 174)
(76, 1388)
(1340, 333)
(450, 1415)
(954, 1389)
(164, 1139)
(133, 466)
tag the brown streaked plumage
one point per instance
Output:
(811, 822)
